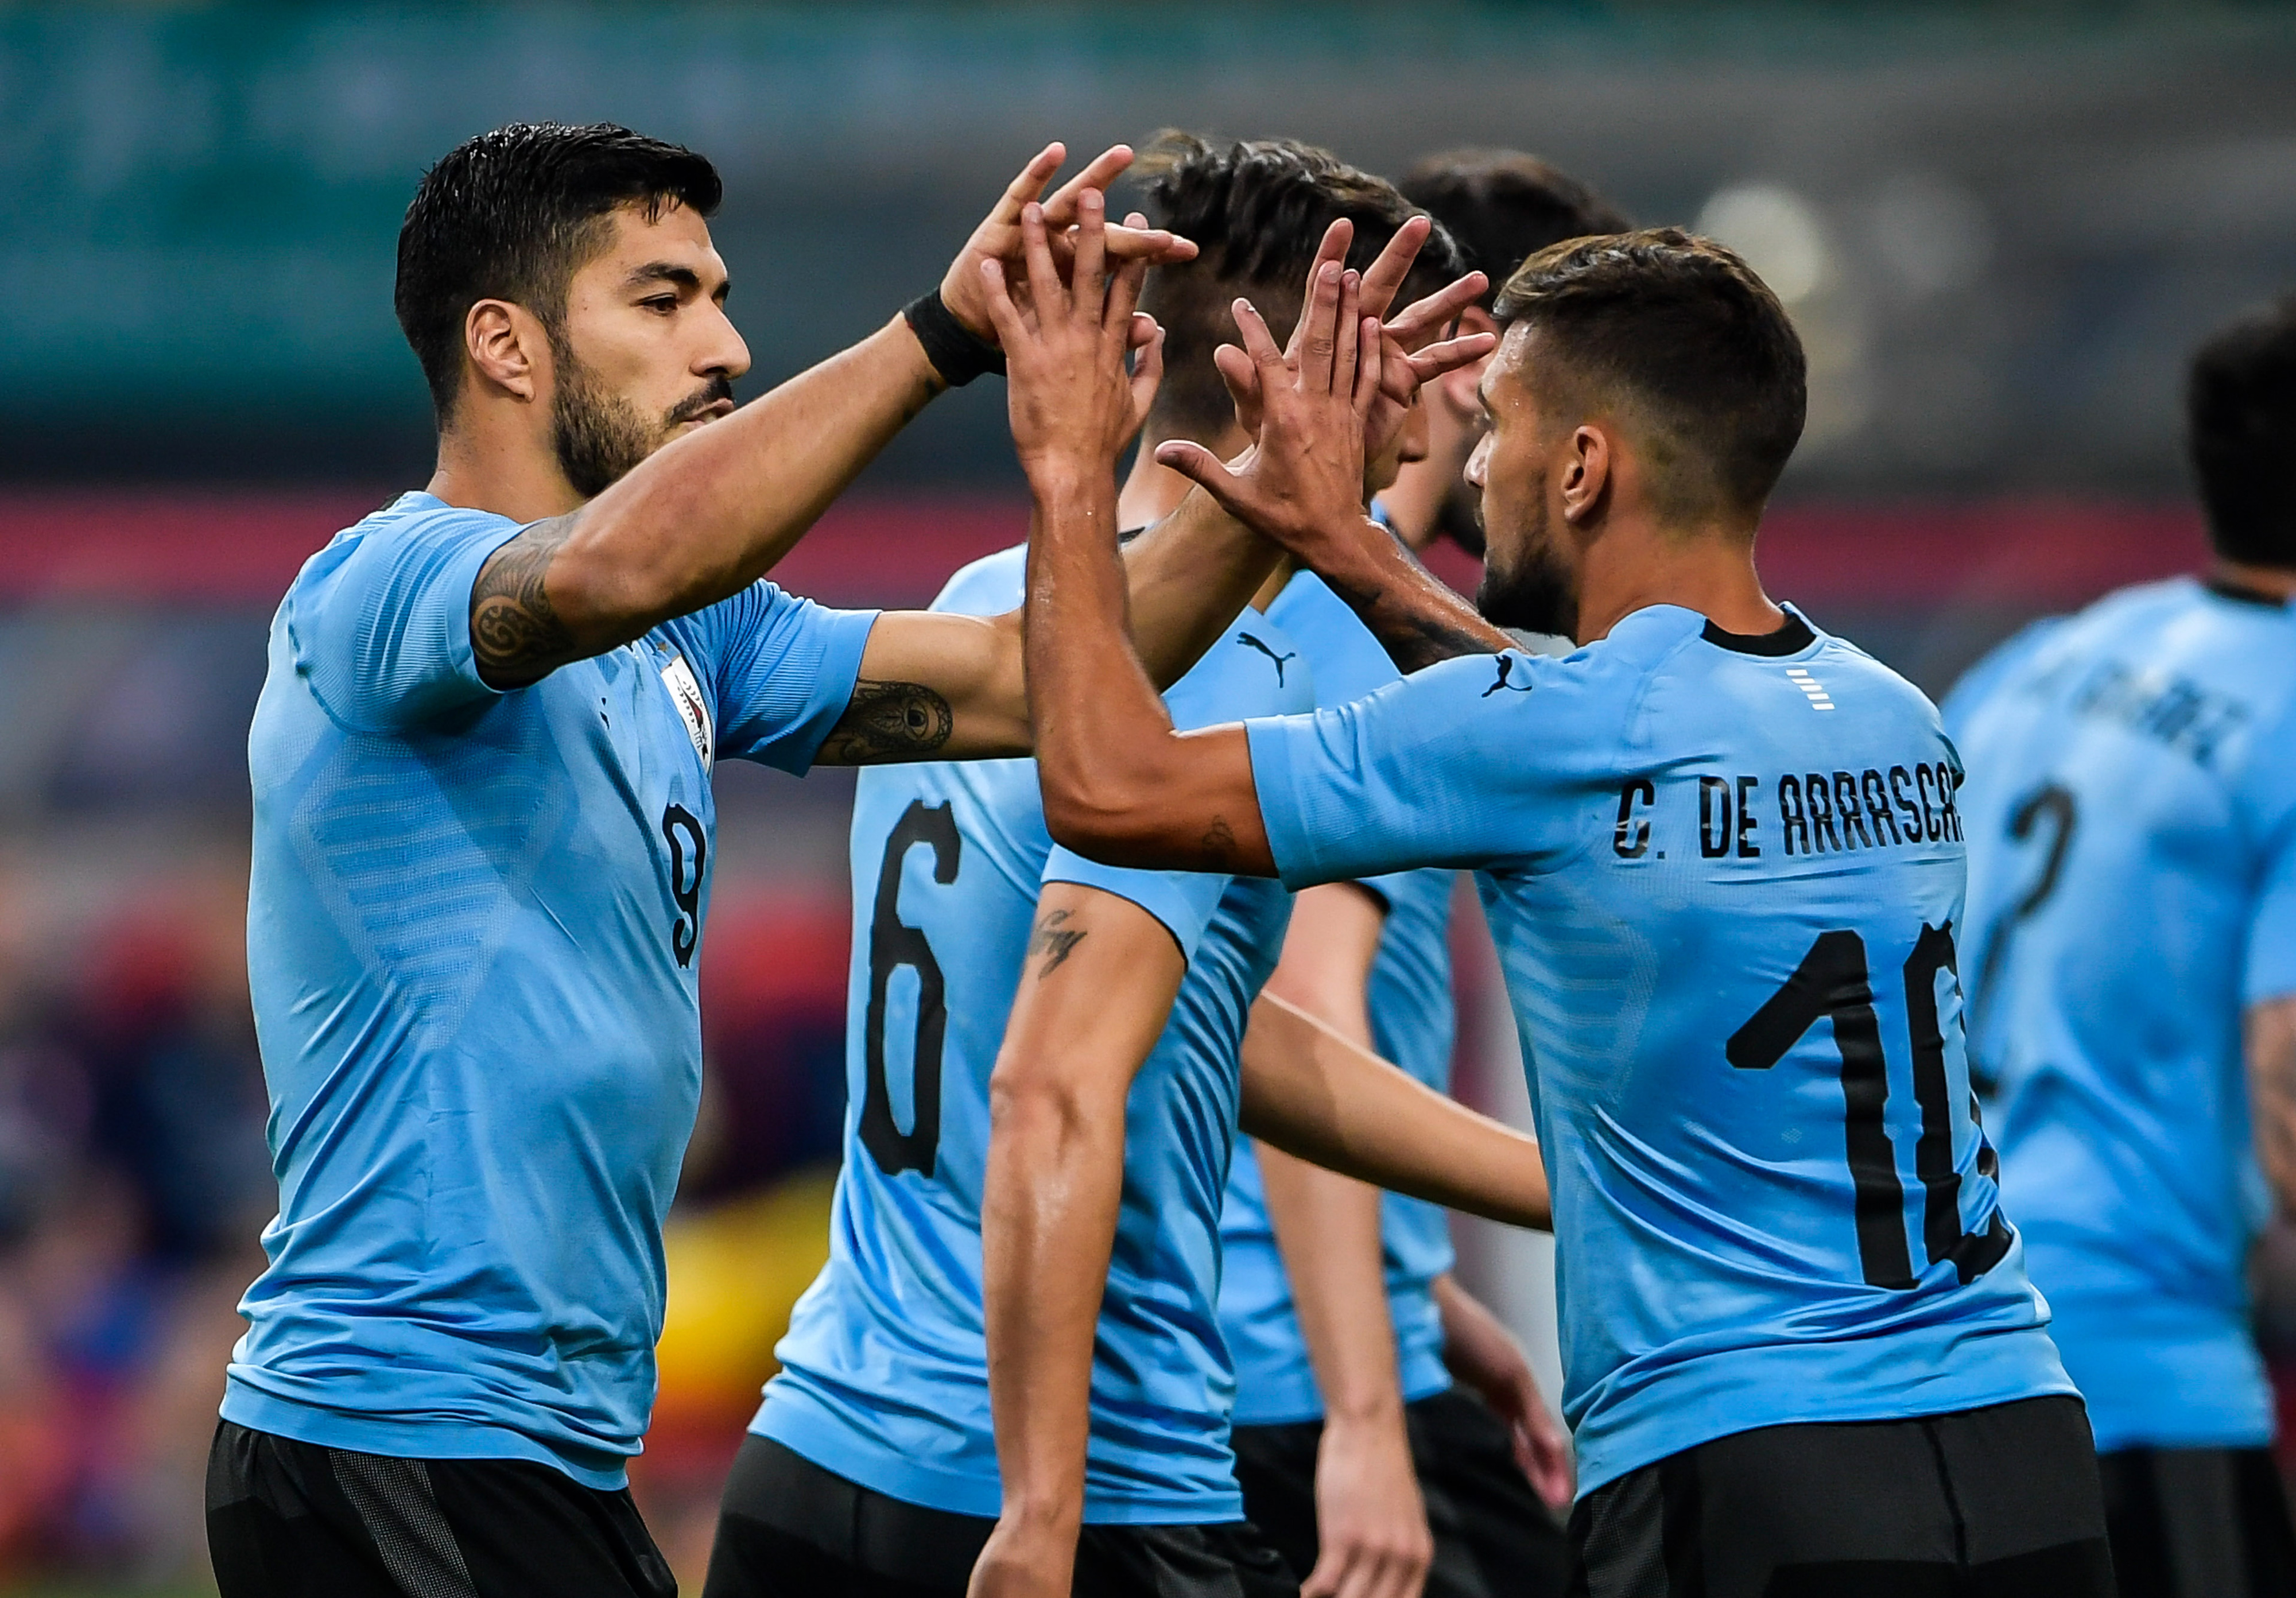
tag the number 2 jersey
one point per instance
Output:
(1725, 878)
(884, 1378)
(471, 938)
(2132, 846)
(1412, 1023)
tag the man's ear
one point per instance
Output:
(508, 348)
(1586, 473)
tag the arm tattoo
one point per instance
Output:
(887, 722)
(1412, 639)
(515, 635)
(1219, 843)
(1054, 941)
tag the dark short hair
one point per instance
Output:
(1503, 206)
(1257, 210)
(513, 215)
(1681, 332)
(2240, 417)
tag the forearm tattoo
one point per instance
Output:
(1413, 638)
(887, 722)
(1053, 940)
(515, 635)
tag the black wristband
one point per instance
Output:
(956, 351)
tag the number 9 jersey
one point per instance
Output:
(1725, 877)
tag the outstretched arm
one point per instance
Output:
(1098, 984)
(1309, 1091)
(708, 514)
(2270, 1030)
(1370, 1524)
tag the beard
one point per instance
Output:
(599, 436)
(1538, 595)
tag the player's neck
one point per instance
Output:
(2277, 582)
(1710, 571)
(493, 463)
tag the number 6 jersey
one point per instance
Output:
(884, 1373)
(1725, 876)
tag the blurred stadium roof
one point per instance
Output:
(2004, 226)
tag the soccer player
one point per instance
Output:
(1721, 861)
(999, 981)
(1361, 1294)
(482, 844)
(2131, 814)
(1502, 206)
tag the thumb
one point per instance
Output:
(1200, 465)
(1147, 370)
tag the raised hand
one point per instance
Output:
(1302, 481)
(1073, 403)
(1412, 352)
(999, 237)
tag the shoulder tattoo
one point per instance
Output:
(887, 722)
(515, 633)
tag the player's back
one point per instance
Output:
(2132, 780)
(885, 1379)
(1724, 875)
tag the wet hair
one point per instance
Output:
(513, 215)
(1680, 333)
(1257, 210)
(2240, 421)
(1503, 206)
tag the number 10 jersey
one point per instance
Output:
(1725, 876)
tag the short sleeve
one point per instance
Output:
(1183, 901)
(379, 620)
(1440, 768)
(783, 669)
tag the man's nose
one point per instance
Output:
(1479, 462)
(727, 352)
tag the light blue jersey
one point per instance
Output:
(1725, 877)
(1412, 1023)
(2131, 810)
(885, 1378)
(473, 927)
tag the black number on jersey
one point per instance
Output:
(893, 943)
(2053, 803)
(681, 829)
(1832, 983)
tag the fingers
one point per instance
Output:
(1031, 181)
(1242, 380)
(1124, 293)
(1332, 251)
(1147, 370)
(1318, 329)
(1347, 332)
(1384, 277)
(1036, 247)
(1101, 170)
(1434, 360)
(1258, 343)
(1003, 314)
(1088, 277)
(1370, 365)
(1423, 319)
(1149, 244)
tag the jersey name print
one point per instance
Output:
(1773, 1201)
(2131, 813)
(884, 1378)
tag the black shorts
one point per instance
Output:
(2186, 1523)
(789, 1528)
(1995, 1503)
(1494, 1536)
(290, 1520)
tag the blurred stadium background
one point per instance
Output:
(2001, 228)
